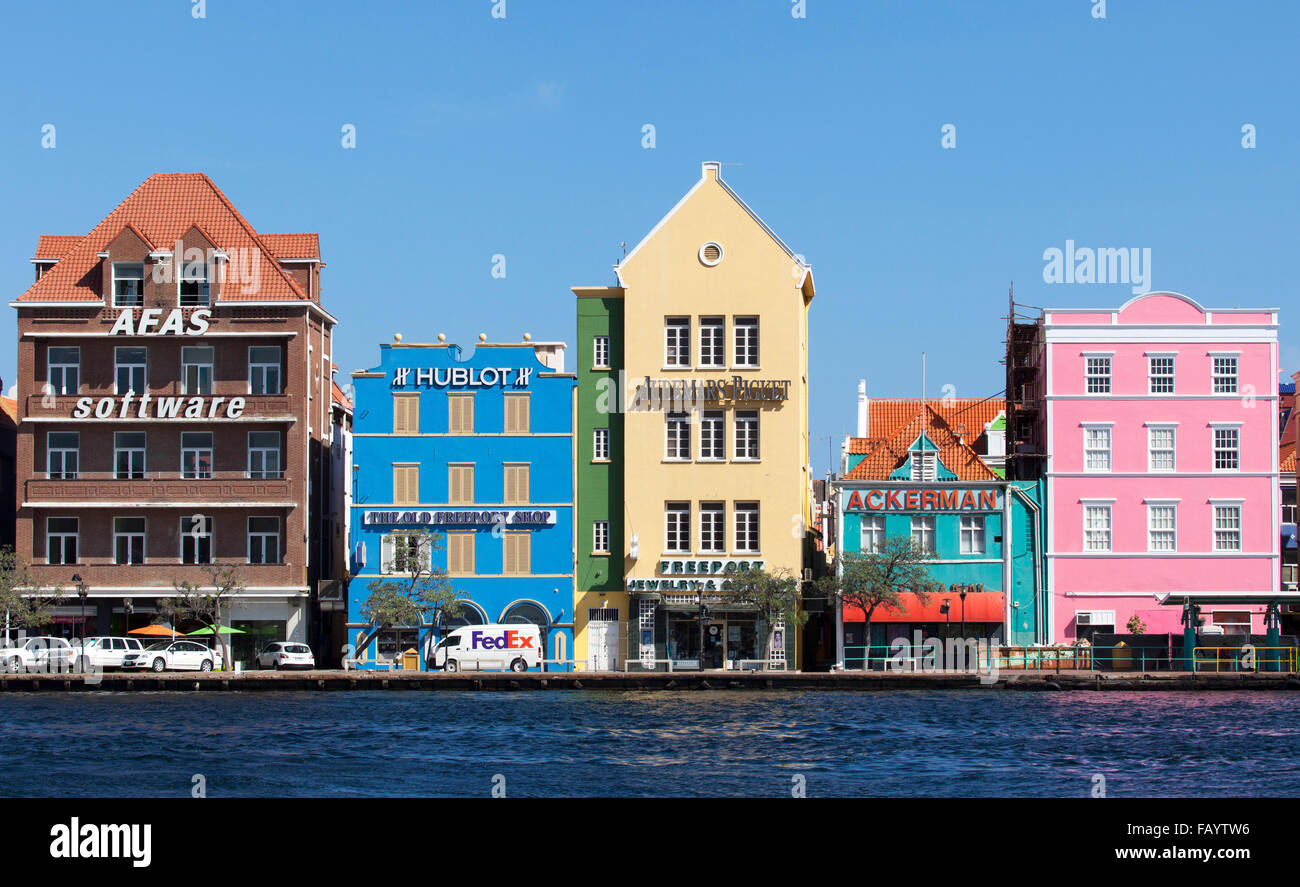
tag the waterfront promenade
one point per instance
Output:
(337, 680)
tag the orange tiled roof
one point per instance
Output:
(55, 246)
(954, 427)
(339, 397)
(162, 210)
(9, 409)
(1286, 455)
(293, 246)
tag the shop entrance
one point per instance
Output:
(723, 641)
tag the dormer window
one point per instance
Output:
(194, 284)
(128, 284)
(924, 465)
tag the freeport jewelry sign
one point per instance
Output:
(693, 574)
(502, 517)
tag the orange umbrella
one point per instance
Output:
(155, 631)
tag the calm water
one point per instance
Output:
(643, 743)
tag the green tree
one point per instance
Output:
(775, 596)
(25, 594)
(420, 594)
(872, 579)
(205, 604)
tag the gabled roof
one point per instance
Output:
(8, 411)
(55, 246)
(162, 210)
(293, 246)
(338, 397)
(954, 426)
(1286, 456)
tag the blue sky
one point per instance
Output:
(522, 136)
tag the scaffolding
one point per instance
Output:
(1025, 354)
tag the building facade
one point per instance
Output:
(932, 472)
(174, 393)
(1161, 429)
(695, 407)
(478, 450)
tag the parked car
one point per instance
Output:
(104, 653)
(174, 655)
(286, 654)
(37, 654)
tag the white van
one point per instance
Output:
(492, 646)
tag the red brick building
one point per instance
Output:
(175, 401)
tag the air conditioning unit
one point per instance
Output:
(1083, 618)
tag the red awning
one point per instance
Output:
(981, 606)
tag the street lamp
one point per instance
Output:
(945, 609)
(962, 595)
(82, 591)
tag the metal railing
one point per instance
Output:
(1057, 659)
(1245, 659)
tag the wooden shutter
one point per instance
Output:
(406, 484)
(461, 419)
(517, 413)
(518, 553)
(460, 552)
(399, 485)
(461, 484)
(385, 553)
(406, 414)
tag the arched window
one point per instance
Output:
(526, 613)
(468, 614)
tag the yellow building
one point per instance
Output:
(693, 451)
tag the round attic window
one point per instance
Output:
(711, 253)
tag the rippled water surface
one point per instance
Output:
(650, 743)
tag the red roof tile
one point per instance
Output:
(293, 246)
(9, 410)
(55, 246)
(1286, 456)
(339, 397)
(954, 426)
(162, 210)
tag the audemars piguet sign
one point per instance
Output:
(737, 389)
(462, 377)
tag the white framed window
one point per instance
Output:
(1096, 447)
(130, 369)
(972, 534)
(925, 465)
(713, 349)
(196, 454)
(264, 369)
(1160, 373)
(1096, 527)
(746, 518)
(264, 540)
(923, 532)
(128, 284)
(196, 370)
(677, 527)
(194, 284)
(712, 436)
(713, 528)
(600, 444)
(1162, 526)
(1097, 373)
(1161, 440)
(128, 454)
(873, 533)
(1223, 373)
(64, 369)
(1227, 447)
(1227, 527)
(746, 339)
(61, 540)
(677, 437)
(600, 537)
(196, 539)
(62, 455)
(677, 341)
(746, 436)
(128, 540)
(600, 353)
(264, 454)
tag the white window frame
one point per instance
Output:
(279, 455)
(747, 523)
(599, 349)
(677, 437)
(1215, 450)
(210, 449)
(264, 535)
(1154, 428)
(63, 473)
(1161, 378)
(972, 538)
(200, 299)
(713, 337)
(205, 533)
(1090, 449)
(924, 465)
(74, 534)
(264, 368)
(926, 527)
(129, 536)
(132, 471)
(131, 367)
(749, 421)
(713, 436)
(600, 537)
(713, 528)
(1230, 382)
(198, 366)
(1100, 506)
(1104, 380)
(872, 533)
(745, 342)
(677, 342)
(1227, 505)
(137, 296)
(677, 522)
(1157, 507)
(600, 445)
(63, 366)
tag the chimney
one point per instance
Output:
(711, 169)
(863, 408)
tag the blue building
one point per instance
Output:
(477, 448)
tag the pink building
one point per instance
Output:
(1160, 423)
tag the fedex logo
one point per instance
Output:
(510, 640)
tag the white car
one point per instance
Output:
(286, 654)
(174, 655)
(39, 654)
(103, 653)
